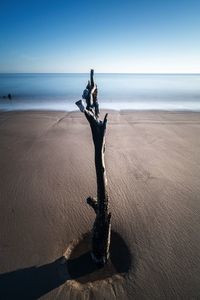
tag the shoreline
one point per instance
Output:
(103, 110)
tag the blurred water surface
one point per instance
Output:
(116, 91)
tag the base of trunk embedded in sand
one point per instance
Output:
(85, 274)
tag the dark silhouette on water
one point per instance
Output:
(31, 283)
(9, 96)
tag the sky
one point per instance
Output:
(128, 36)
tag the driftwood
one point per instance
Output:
(102, 225)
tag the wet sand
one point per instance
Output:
(46, 174)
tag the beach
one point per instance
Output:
(47, 172)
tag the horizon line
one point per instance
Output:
(126, 73)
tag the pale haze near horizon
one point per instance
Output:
(113, 36)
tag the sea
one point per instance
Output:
(115, 91)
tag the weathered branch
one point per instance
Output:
(102, 224)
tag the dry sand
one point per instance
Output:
(47, 172)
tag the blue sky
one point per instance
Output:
(111, 36)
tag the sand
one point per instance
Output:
(46, 174)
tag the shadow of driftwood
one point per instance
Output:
(32, 283)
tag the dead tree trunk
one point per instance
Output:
(102, 225)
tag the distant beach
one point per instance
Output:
(46, 174)
(116, 91)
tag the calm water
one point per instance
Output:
(116, 91)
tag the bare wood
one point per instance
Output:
(102, 225)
